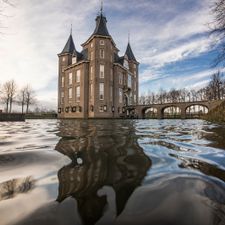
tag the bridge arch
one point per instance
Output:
(150, 112)
(171, 111)
(196, 110)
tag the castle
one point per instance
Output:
(96, 82)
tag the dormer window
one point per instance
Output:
(126, 64)
(74, 59)
(102, 42)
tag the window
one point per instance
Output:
(102, 42)
(135, 99)
(91, 90)
(74, 60)
(91, 44)
(135, 73)
(62, 97)
(102, 68)
(129, 81)
(111, 93)
(102, 53)
(91, 73)
(70, 93)
(70, 78)
(101, 91)
(78, 93)
(63, 59)
(78, 76)
(62, 82)
(101, 108)
(120, 78)
(125, 64)
(134, 86)
(92, 55)
(120, 95)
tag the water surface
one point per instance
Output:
(156, 172)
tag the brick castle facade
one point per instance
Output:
(96, 82)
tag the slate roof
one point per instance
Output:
(101, 28)
(69, 47)
(129, 53)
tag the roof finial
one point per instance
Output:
(128, 36)
(101, 9)
(71, 29)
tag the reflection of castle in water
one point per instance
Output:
(99, 158)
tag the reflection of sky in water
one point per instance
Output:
(112, 171)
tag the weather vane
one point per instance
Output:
(71, 28)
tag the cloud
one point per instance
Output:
(163, 32)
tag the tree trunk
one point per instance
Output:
(22, 107)
(10, 105)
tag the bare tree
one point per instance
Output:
(12, 94)
(5, 95)
(29, 97)
(218, 28)
(22, 98)
(8, 94)
(216, 86)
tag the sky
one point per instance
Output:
(169, 38)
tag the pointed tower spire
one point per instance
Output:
(101, 28)
(130, 53)
(69, 47)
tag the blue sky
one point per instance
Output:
(168, 37)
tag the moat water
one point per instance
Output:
(159, 172)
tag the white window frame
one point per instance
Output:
(70, 78)
(78, 76)
(101, 91)
(74, 60)
(102, 71)
(101, 108)
(78, 94)
(70, 95)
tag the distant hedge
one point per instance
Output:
(217, 115)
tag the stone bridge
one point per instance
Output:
(139, 110)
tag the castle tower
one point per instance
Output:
(96, 83)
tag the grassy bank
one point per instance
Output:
(217, 115)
